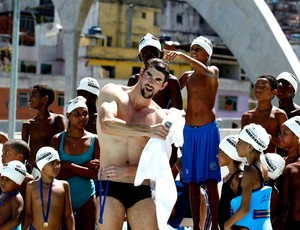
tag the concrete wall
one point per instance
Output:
(253, 35)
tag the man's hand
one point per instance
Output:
(118, 171)
(160, 131)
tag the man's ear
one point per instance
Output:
(274, 93)
(141, 73)
(164, 85)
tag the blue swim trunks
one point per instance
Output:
(199, 153)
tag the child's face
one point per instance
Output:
(52, 168)
(263, 90)
(78, 117)
(35, 99)
(223, 158)
(287, 138)
(7, 185)
(9, 154)
(242, 148)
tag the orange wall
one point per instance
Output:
(23, 112)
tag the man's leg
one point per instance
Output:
(195, 201)
(213, 198)
(142, 215)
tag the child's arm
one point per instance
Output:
(28, 207)
(25, 131)
(89, 169)
(284, 197)
(247, 186)
(61, 123)
(199, 67)
(68, 214)
(17, 204)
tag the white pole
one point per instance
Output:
(14, 71)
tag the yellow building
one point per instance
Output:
(115, 50)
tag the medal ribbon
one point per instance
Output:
(8, 196)
(42, 199)
(102, 202)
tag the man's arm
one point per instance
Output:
(111, 124)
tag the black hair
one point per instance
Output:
(20, 146)
(272, 80)
(159, 65)
(46, 90)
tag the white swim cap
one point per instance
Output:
(77, 102)
(290, 78)
(204, 43)
(45, 155)
(89, 84)
(149, 40)
(294, 125)
(256, 136)
(14, 170)
(274, 163)
(227, 145)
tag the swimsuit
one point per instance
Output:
(127, 193)
(258, 218)
(227, 195)
(199, 153)
(81, 189)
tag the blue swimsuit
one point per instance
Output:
(81, 189)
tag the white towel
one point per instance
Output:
(154, 165)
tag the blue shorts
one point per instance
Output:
(199, 153)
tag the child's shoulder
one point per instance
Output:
(278, 110)
(29, 121)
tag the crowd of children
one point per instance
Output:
(49, 178)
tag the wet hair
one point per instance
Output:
(46, 90)
(272, 80)
(159, 65)
(20, 146)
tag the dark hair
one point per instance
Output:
(20, 146)
(46, 90)
(159, 65)
(272, 80)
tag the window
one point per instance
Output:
(179, 19)
(46, 69)
(109, 71)
(23, 99)
(61, 100)
(228, 103)
(28, 67)
(144, 15)
(109, 41)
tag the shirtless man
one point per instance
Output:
(201, 133)
(268, 116)
(170, 96)
(127, 118)
(39, 130)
